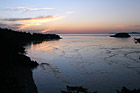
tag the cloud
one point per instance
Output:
(27, 9)
(39, 19)
(36, 9)
(47, 30)
(15, 9)
(12, 26)
(70, 12)
(2, 25)
(28, 22)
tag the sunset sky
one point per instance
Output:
(71, 16)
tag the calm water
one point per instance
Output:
(97, 62)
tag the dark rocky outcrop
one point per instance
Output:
(76, 89)
(121, 35)
(137, 40)
(15, 67)
(126, 90)
(80, 89)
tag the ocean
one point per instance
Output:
(94, 61)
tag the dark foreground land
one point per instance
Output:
(15, 67)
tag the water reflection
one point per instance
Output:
(98, 62)
(46, 66)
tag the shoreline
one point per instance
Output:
(16, 67)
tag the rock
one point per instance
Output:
(125, 90)
(137, 40)
(121, 35)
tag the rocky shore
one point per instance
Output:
(137, 40)
(15, 67)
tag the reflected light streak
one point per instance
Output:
(46, 46)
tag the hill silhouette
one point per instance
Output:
(15, 67)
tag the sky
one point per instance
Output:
(71, 16)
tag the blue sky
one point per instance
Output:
(71, 16)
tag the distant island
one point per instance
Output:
(134, 32)
(126, 32)
(121, 35)
(16, 74)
